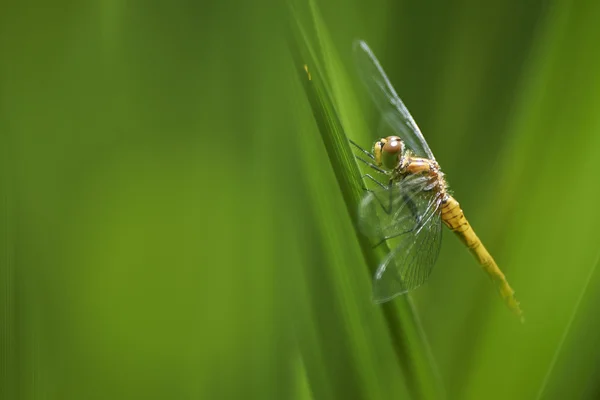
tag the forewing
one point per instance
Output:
(407, 216)
(389, 211)
(410, 262)
(394, 113)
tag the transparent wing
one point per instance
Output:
(387, 212)
(394, 112)
(407, 216)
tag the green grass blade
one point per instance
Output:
(568, 328)
(408, 338)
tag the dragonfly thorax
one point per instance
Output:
(388, 151)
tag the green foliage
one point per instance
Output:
(408, 340)
(178, 223)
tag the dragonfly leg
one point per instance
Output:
(413, 208)
(381, 185)
(368, 154)
(385, 238)
(375, 167)
(387, 209)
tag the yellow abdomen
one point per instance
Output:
(454, 219)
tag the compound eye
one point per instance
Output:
(393, 145)
(391, 152)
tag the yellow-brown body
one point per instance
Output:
(390, 152)
(398, 160)
(454, 218)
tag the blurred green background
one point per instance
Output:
(172, 227)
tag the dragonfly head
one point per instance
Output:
(388, 151)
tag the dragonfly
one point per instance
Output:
(411, 198)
